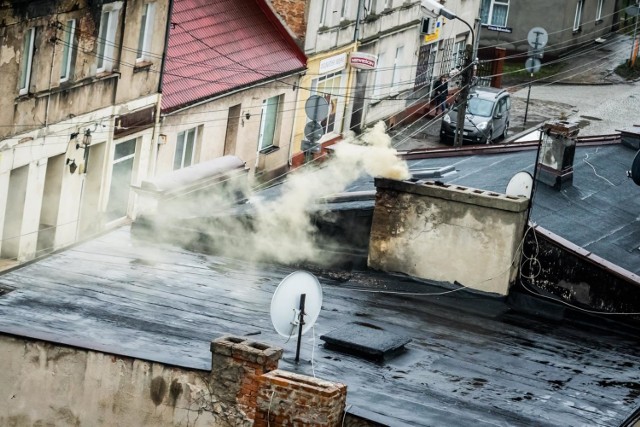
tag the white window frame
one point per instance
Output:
(599, 10)
(492, 4)
(577, 21)
(339, 95)
(378, 79)
(107, 36)
(68, 49)
(323, 13)
(145, 36)
(182, 138)
(457, 60)
(344, 13)
(266, 105)
(27, 55)
(396, 75)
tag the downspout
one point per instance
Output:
(124, 18)
(155, 149)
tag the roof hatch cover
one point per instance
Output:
(365, 340)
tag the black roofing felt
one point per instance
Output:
(471, 361)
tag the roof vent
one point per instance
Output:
(365, 340)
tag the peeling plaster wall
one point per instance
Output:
(447, 233)
(52, 385)
(46, 384)
(50, 100)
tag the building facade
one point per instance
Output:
(506, 23)
(77, 104)
(229, 87)
(406, 43)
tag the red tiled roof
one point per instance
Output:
(216, 46)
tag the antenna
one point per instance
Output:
(296, 304)
(520, 185)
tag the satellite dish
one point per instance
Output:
(634, 173)
(285, 304)
(295, 305)
(520, 185)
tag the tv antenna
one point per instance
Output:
(296, 304)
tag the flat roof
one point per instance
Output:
(471, 360)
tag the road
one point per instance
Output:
(598, 109)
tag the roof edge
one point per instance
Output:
(214, 96)
(284, 31)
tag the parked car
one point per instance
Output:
(487, 117)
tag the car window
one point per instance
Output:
(480, 107)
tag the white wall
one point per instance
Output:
(211, 120)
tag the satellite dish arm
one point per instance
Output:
(303, 297)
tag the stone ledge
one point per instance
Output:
(299, 382)
(456, 193)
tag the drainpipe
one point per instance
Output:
(155, 149)
(356, 33)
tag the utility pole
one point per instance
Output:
(467, 76)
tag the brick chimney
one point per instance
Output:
(555, 164)
(236, 367)
(288, 399)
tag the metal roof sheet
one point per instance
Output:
(221, 45)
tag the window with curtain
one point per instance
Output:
(494, 12)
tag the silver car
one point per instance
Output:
(487, 117)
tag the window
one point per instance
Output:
(185, 149)
(107, 36)
(26, 62)
(146, 30)
(395, 79)
(458, 55)
(121, 177)
(494, 12)
(329, 87)
(377, 83)
(323, 13)
(68, 40)
(577, 22)
(344, 13)
(268, 122)
(599, 10)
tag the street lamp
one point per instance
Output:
(439, 10)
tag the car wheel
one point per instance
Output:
(490, 136)
(446, 140)
(505, 132)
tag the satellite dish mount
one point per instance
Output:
(300, 293)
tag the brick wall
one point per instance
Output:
(293, 13)
(288, 399)
(236, 365)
